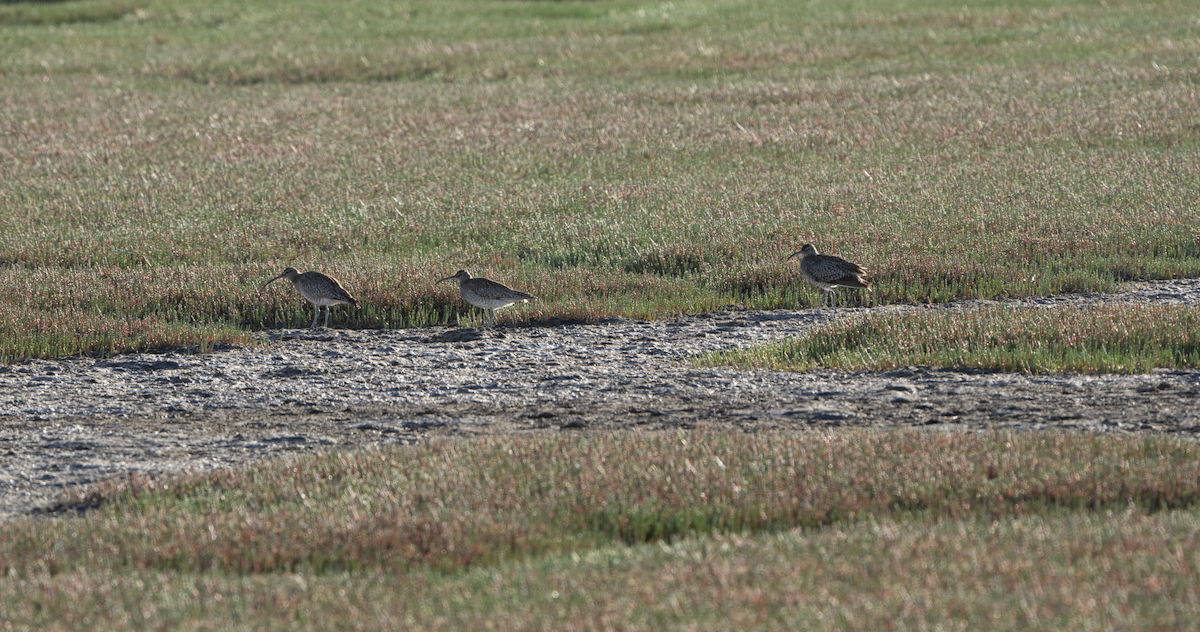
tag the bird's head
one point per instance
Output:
(288, 273)
(807, 250)
(460, 276)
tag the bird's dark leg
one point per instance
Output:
(316, 315)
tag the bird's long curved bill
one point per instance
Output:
(449, 278)
(264, 285)
(793, 255)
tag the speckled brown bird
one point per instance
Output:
(485, 293)
(828, 272)
(318, 289)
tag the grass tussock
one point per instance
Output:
(1123, 338)
(73, 332)
(845, 531)
(1110, 339)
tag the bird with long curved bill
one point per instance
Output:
(486, 293)
(319, 289)
(827, 272)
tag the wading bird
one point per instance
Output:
(828, 272)
(318, 289)
(485, 293)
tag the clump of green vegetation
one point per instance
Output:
(684, 516)
(610, 158)
(1109, 339)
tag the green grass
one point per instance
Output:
(840, 531)
(60, 13)
(159, 161)
(1110, 339)
(610, 157)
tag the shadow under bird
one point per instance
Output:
(828, 272)
(486, 293)
(318, 289)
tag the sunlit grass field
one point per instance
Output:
(159, 161)
(854, 530)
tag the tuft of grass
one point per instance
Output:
(1099, 339)
(72, 332)
(849, 530)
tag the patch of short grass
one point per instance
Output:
(613, 158)
(64, 13)
(1129, 338)
(72, 332)
(456, 504)
(843, 530)
(1058, 570)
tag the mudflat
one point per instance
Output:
(82, 420)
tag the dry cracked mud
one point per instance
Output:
(81, 420)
